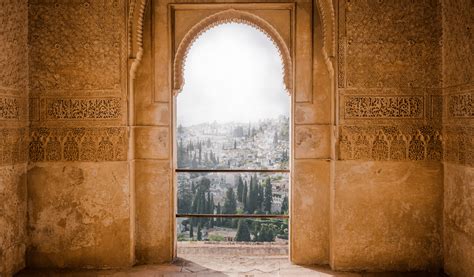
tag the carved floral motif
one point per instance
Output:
(390, 143)
(383, 107)
(96, 108)
(78, 144)
(13, 45)
(461, 105)
(76, 45)
(13, 145)
(390, 46)
(458, 33)
(9, 108)
(459, 145)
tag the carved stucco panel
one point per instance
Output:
(78, 144)
(13, 46)
(400, 143)
(389, 46)
(458, 41)
(77, 45)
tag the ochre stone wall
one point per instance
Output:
(388, 188)
(458, 127)
(13, 134)
(78, 178)
(312, 121)
(372, 165)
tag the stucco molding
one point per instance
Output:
(135, 33)
(223, 17)
(328, 18)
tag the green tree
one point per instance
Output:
(199, 232)
(240, 189)
(252, 195)
(185, 198)
(230, 203)
(191, 231)
(266, 233)
(245, 197)
(284, 205)
(260, 197)
(218, 211)
(243, 233)
(268, 196)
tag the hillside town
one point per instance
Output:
(256, 145)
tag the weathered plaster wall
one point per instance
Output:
(458, 127)
(78, 177)
(386, 211)
(13, 134)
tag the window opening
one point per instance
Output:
(233, 141)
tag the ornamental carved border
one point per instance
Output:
(383, 107)
(105, 108)
(10, 108)
(223, 17)
(13, 145)
(407, 143)
(137, 13)
(78, 144)
(459, 145)
(461, 105)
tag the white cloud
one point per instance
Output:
(233, 72)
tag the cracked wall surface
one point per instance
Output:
(382, 179)
(78, 178)
(13, 134)
(458, 131)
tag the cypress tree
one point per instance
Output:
(268, 196)
(240, 189)
(260, 197)
(284, 205)
(244, 197)
(243, 233)
(230, 204)
(253, 195)
(191, 231)
(199, 233)
(218, 211)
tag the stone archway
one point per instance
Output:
(227, 16)
(151, 116)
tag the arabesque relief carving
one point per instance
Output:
(13, 145)
(382, 49)
(458, 66)
(9, 108)
(78, 144)
(366, 107)
(390, 143)
(13, 46)
(77, 45)
(459, 145)
(461, 105)
(91, 108)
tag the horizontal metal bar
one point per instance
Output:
(184, 170)
(234, 215)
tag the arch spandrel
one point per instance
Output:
(231, 16)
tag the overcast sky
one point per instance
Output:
(233, 72)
